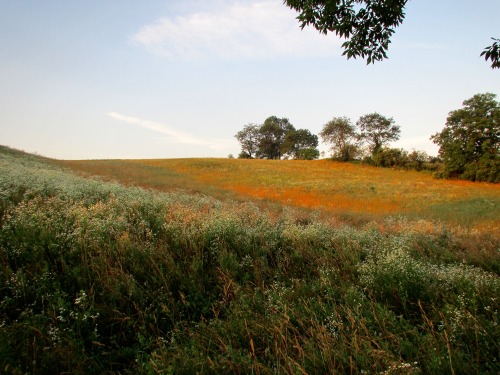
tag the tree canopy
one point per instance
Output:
(249, 139)
(492, 53)
(272, 135)
(365, 141)
(277, 138)
(377, 130)
(301, 144)
(341, 134)
(470, 142)
(367, 25)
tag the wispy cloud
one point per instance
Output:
(239, 30)
(175, 136)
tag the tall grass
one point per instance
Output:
(96, 277)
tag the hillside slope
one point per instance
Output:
(100, 278)
(342, 190)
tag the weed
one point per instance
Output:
(96, 277)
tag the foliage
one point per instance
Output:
(419, 160)
(277, 138)
(470, 142)
(301, 144)
(249, 140)
(366, 25)
(390, 157)
(377, 130)
(341, 134)
(492, 53)
(399, 158)
(272, 136)
(308, 153)
(99, 278)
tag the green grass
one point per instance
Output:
(468, 210)
(96, 277)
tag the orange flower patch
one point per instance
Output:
(321, 184)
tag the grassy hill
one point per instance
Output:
(362, 193)
(97, 277)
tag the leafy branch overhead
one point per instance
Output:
(492, 53)
(366, 25)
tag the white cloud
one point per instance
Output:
(175, 136)
(239, 30)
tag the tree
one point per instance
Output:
(367, 28)
(341, 134)
(249, 140)
(308, 153)
(276, 138)
(377, 131)
(301, 144)
(493, 53)
(367, 25)
(470, 142)
(271, 137)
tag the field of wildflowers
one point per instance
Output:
(97, 277)
(336, 189)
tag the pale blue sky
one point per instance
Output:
(178, 78)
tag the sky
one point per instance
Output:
(123, 79)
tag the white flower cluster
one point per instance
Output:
(274, 298)
(396, 268)
(334, 325)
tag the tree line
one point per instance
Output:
(469, 145)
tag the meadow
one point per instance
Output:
(345, 191)
(230, 266)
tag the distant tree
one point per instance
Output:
(277, 138)
(391, 157)
(417, 160)
(340, 133)
(367, 25)
(271, 137)
(377, 131)
(308, 153)
(470, 142)
(244, 155)
(249, 140)
(301, 144)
